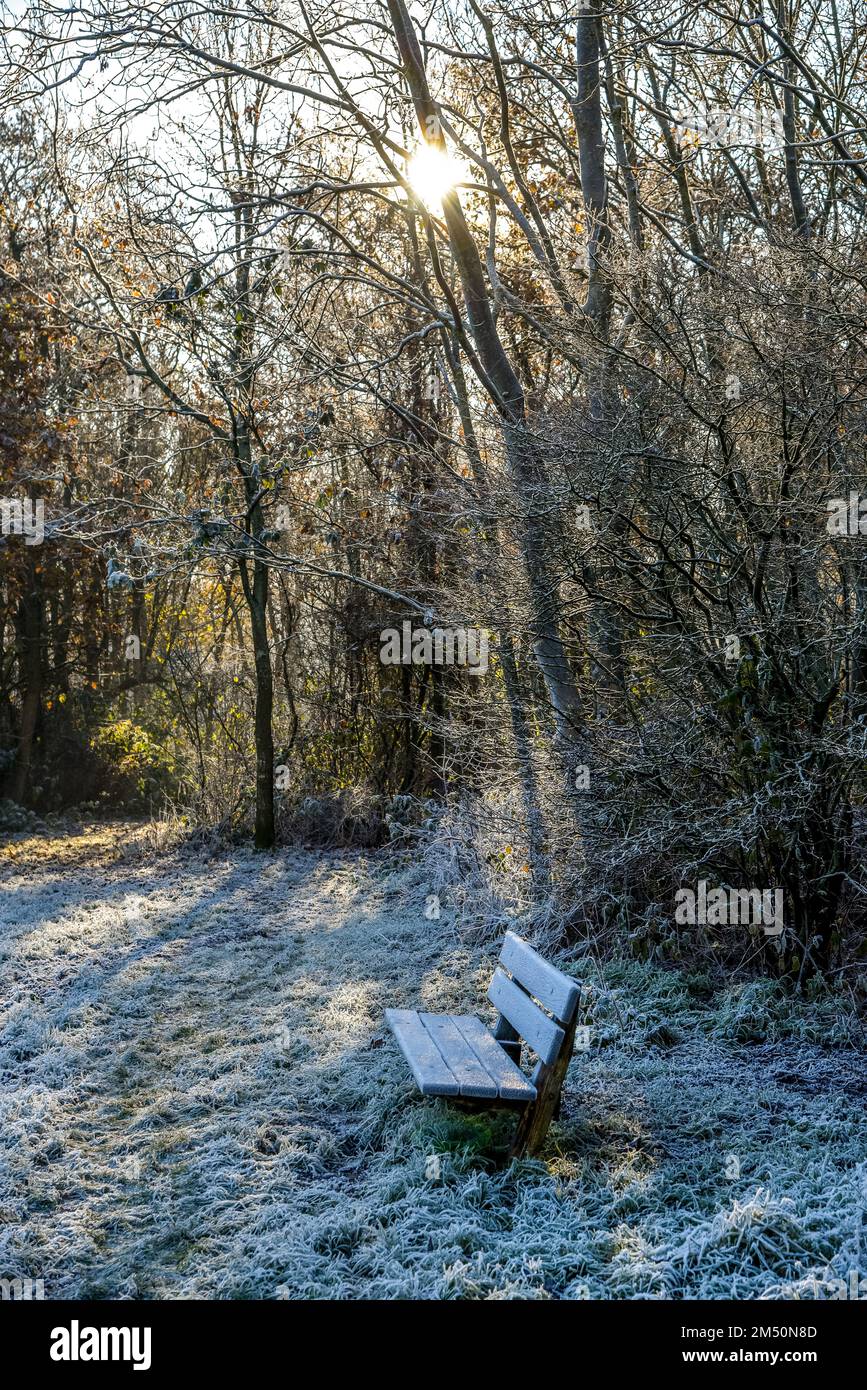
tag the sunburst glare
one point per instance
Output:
(433, 173)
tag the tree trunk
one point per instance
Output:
(30, 674)
(501, 382)
(264, 733)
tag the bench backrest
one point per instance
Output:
(537, 1000)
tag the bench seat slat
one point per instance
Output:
(471, 1074)
(511, 1082)
(539, 1031)
(454, 1054)
(553, 989)
(433, 1076)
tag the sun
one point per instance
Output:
(433, 173)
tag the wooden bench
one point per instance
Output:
(454, 1055)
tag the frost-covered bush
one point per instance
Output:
(354, 817)
(15, 818)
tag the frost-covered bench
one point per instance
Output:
(455, 1055)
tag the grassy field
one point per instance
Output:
(199, 1099)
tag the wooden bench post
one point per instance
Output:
(536, 1119)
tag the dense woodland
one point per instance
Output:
(545, 321)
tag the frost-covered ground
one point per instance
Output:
(199, 1100)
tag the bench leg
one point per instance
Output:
(536, 1119)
